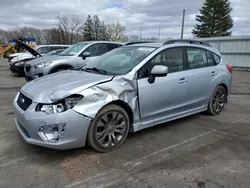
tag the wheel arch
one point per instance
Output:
(126, 107)
(225, 87)
(63, 66)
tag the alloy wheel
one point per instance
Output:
(110, 129)
(219, 100)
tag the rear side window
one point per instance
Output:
(217, 58)
(197, 58)
(112, 46)
(210, 61)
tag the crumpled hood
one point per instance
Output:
(59, 85)
(45, 59)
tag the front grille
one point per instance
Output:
(23, 102)
(27, 68)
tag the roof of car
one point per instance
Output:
(92, 42)
(155, 45)
(55, 45)
(179, 42)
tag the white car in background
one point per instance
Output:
(41, 49)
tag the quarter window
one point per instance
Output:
(210, 61)
(172, 58)
(196, 58)
(217, 58)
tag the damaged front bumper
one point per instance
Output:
(62, 131)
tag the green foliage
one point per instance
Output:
(214, 19)
(88, 31)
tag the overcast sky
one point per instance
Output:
(147, 15)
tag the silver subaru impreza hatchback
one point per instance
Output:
(125, 90)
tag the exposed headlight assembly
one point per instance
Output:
(60, 106)
(43, 64)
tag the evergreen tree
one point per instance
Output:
(88, 31)
(97, 27)
(214, 19)
(103, 32)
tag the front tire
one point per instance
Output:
(109, 129)
(217, 101)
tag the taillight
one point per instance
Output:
(230, 68)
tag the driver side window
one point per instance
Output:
(96, 49)
(172, 57)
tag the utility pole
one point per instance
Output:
(140, 33)
(183, 22)
(159, 32)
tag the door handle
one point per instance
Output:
(183, 80)
(213, 73)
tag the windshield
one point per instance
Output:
(119, 61)
(73, 50)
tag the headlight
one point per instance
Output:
(44, 64)
(60, 106)
(19, 63)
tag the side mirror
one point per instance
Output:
(85, 55)
(157, 71)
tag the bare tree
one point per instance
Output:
(69, 27)
(115, 31)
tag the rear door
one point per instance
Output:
(201, 72)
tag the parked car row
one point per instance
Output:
(115, 89)
(73, 57)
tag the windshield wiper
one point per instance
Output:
(96, 70)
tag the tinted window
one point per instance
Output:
(96, 49)
(210, 61)
(112, 46)
(173, 58)
(196, 58)
(217, 58)
(43, 50)
(52, 48)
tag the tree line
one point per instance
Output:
(214, 20)
(69, 30)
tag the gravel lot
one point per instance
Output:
(198, 151)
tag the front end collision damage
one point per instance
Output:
(119, 89)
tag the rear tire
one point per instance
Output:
(217, 101)
(109, 129)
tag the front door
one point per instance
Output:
(165, 98)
